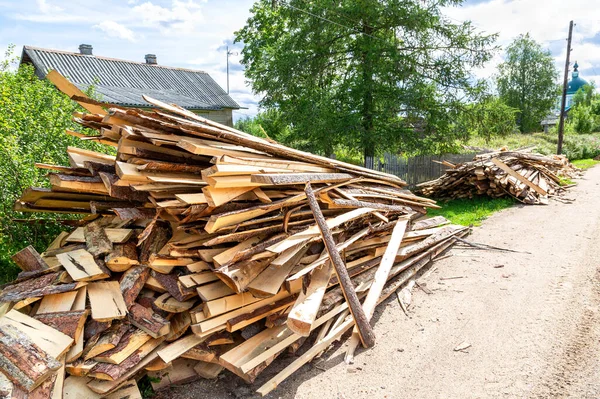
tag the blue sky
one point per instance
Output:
(195, 33)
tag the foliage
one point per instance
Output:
(585, 163)
(145, 386)
(269, 124)
(471, 211)
(488, 118)
(581, 119)
(375, 75)
(584, 115)
(526, 81)
(33, 119)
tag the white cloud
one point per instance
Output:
(114, 29)
(47, 8)
(547, 21)
(183, 17)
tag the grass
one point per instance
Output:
(471, 211)
(585, 163)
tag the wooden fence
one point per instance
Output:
(419, 169)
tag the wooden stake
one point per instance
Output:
(366, 333)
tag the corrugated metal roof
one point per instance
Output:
(123, 82)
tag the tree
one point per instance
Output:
(370, 74)
(33, 119)
(490, 117)
(584, 114)
(268, 123)
(526, 81)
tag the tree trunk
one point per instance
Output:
(367, 101)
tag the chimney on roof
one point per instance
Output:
(85, 49)
(151, 59)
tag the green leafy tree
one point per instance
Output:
(33, 119)
(268, 123)
(488, 118)
(378, 75)
(584, 115)
(526, 81)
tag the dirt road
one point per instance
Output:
(533, 324)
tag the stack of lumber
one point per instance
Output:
(528, 177)
(201, 249)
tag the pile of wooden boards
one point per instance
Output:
(202, 248)
(528, 177)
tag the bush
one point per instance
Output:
(33, 119)
(581, 119)
(488, 118)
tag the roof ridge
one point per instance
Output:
(114, 59)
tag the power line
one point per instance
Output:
(282, 2)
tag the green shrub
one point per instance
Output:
(33, 119)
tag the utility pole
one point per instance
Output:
(563, 104)
(228, 54)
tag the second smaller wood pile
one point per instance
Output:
(528, 177)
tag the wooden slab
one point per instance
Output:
(22, 361)
(81, 266)
(47, 338)
(106, 301)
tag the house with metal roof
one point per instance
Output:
(123, 82)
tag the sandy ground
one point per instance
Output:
(533, 324)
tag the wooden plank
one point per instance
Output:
(57, 302)
(29, 259)
(192, 199)
(104, 387)
(221, 320)
(106, 301)
(131, 341)
(275, 149)
(215, 290)
(366, 332)
(112, 372)
(208, 370)
(235, 358)
(81, 266)
(518, 176)
(108, 340)
(22, 361)
(169, 304)
(69, 323)
(47, 338)
(270, 280)
(132, 282)
(227, 304)
(313, 231)
(148, 321)
(122, 257)
(116, 236)
(181, 372)
(299, 178)
(219, 196)
(71, 90)
(179, 347)
(305, 309)
(97, 242)
(223, 257)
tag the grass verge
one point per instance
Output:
(585, 163)
(471, 211)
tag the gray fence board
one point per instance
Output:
(419, 169)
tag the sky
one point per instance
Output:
(195, 33)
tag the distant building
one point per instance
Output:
(573, 85)
(124, 82)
